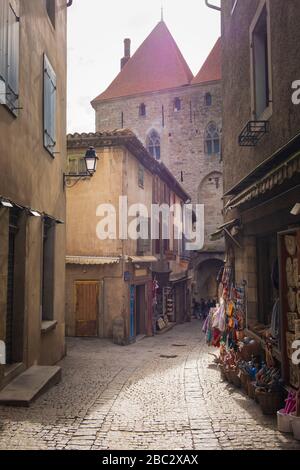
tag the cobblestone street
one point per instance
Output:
(161, 393)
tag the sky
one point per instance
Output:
(97, 29)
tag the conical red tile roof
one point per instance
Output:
(211, 70)
(157, 65)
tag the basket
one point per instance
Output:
(234, 378)
(270, 402)
(251, 389)
(249, 350)
(245, 379)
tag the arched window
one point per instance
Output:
(212, 139)
(142, 109)
(208, 99)
(177, 104)
(153, 144)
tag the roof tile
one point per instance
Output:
(157, 65)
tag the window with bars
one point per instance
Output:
(260, 64)
(49, 107)
(9, 55)
(212, 139)
(153, 145)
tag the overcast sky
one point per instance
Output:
(97, 28)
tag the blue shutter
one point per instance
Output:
(3, 50)
(49, 106)
(13, 46)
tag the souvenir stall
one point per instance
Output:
(265, 368)
(289, 262)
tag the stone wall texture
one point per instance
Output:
(182, 140)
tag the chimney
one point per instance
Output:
(127, 43)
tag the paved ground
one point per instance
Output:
(133, 398)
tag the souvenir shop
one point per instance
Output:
(257, 322)
(170, 300)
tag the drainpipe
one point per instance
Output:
(214, 7)
(69, 3)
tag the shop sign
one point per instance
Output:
(141, 273)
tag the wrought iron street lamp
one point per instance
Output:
(91, 159)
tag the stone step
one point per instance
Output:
(29, 385)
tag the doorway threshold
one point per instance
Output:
(11, 371)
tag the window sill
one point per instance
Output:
(48, 326)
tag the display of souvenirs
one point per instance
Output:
(291, 296)
(290, 273)
(290, 338)
(290, 244)
(292, 317)
(297, 329)
(298, 301)
(295, 272)
(268, 378)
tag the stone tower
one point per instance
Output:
(178, 118)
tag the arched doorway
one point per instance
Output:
(206, 275)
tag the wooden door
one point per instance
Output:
(87, 308)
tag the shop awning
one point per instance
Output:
(230, 228)
(142, 259)
(274, 171)
(178, 277)
(92, 260)
(9, 204)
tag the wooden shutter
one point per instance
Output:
(3, 48)
(13, 47)
(49, 106)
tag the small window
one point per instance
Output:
(208, 99)
(260, 60)
(49, 107)
(177, 104)
(212, 140)
(141, 176)
(153, 145)
(50, 7)
(142, 110)
(9, 56)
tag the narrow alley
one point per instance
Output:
(163, 392)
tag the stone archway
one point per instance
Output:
(206, 273)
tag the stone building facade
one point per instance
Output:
(178, 118)
(261, 153)
(32, 198)
(110, 282)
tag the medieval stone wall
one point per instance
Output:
(182, 134)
